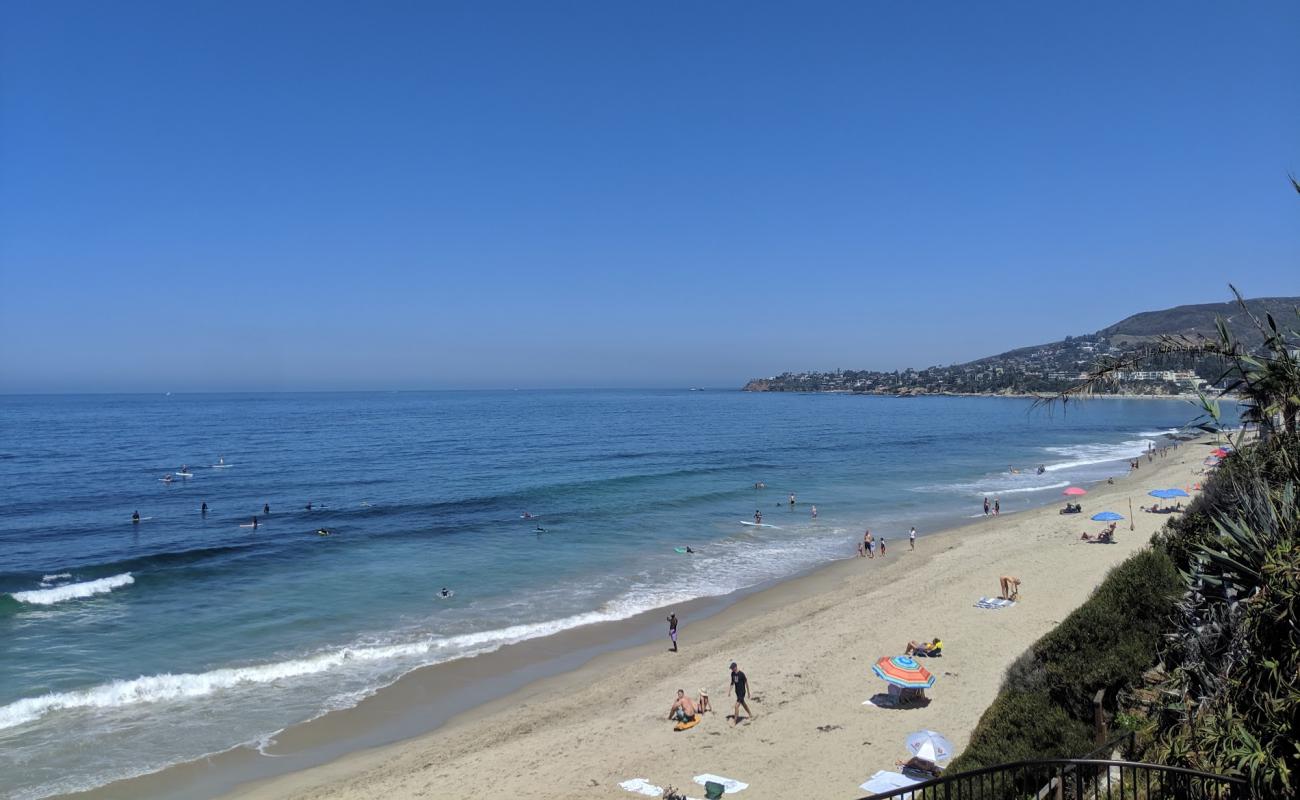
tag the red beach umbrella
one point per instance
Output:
(1075, 491)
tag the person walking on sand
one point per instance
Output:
(672, 630)
(882, 547)
(911, 538)
(997, 506)
(739, 685)
(986, 506)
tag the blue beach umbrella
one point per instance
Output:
(1165, 494)
(1107, 516)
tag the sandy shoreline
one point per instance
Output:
(807, 645)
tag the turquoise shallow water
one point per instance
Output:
(124, 648)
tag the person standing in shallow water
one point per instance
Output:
(672, 630)
(986, 506)
(997, 506)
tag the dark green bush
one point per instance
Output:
(1109, 641)
(1022, 726)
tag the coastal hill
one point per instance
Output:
(1056, 365)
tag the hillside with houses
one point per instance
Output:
(1055, 366)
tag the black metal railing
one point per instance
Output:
(1074, 779)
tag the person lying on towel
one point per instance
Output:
(683, 709)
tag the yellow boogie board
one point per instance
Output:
(686, 726)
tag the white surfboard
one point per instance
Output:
(183, 474)
(758, 524)
(142, 519)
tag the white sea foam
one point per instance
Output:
(56, 577)
(1153, 434)
(73, 591)
(994, 485)
(698, 578)
(1082, 455)
(168, 687)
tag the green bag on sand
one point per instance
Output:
(713, 790)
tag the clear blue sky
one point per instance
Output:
(230, 195)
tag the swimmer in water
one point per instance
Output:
(689, 550)
(539, 529)
(266, 509)
(309, 505)
(322, 532)
(203, 509)
(445, 592)
(135, 517)
(814, 512)
(792, 498)
(167, 479)
(758, 517)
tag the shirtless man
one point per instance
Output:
(683, 709)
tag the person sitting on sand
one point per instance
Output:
(924, 648)
(703, 705)
(1010, 587)
(683, 709)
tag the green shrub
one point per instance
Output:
(1022, 726)
(1109, 641)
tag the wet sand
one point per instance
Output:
(586, 709)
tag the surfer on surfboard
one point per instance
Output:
(135, 517)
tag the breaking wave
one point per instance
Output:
(73, 591)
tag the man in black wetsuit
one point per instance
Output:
(740, 685)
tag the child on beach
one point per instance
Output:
(911, 537)
(882, 547)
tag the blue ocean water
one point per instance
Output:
(127, 647)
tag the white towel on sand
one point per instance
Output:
(642, 786)
(994, 602)
(884, 781)
(732, 786)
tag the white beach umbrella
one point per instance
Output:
(930, 746)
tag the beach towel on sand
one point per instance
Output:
(732, 786)
(884, 781)
(642, 786)
(994, 602)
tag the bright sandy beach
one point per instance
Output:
(807, 646)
